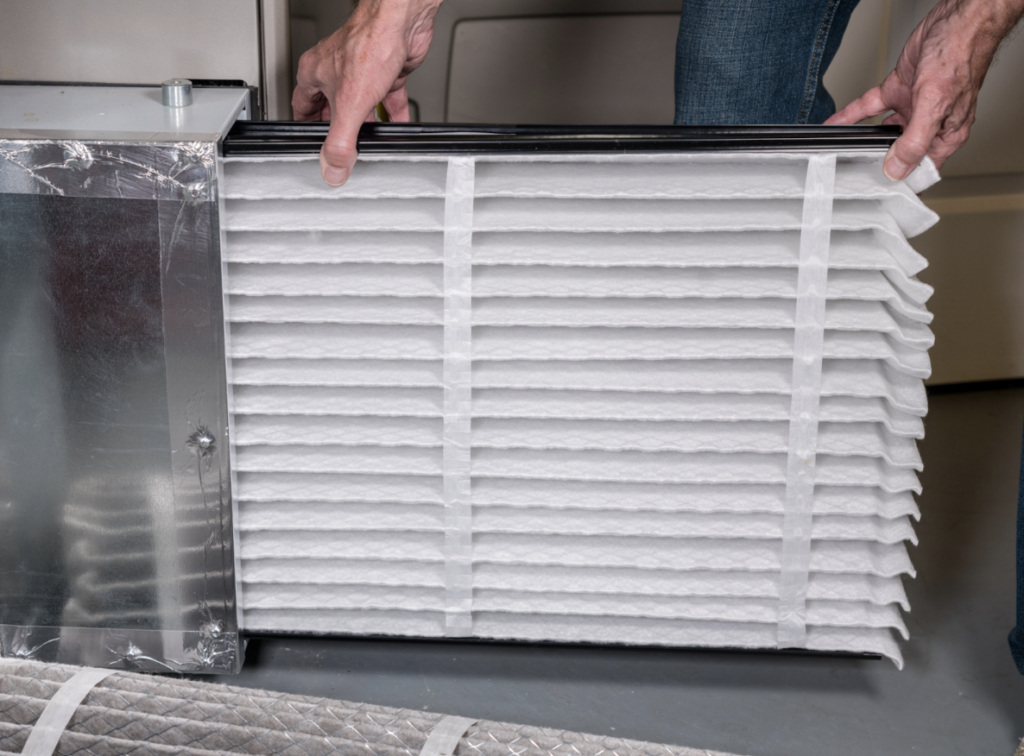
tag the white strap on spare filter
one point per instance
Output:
(812, 283)
(458, 396)
(445, 736)
(52, 723)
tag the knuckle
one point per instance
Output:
(918, 144)
(307, 65)
(337, 151)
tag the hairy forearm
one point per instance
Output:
(981, 26)
(379, 23)
(987, 19)
(405, 13)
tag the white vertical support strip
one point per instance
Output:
(50, 726)
(445, 737)
(458, 396)
(808, 344)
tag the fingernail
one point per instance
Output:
(895, 169)
(335, 176)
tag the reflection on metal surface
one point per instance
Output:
(125, 170)
(115, 504)
(197, 408)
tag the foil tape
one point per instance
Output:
(808, 346)
(124, 170)
(209, 649)
(458, 396)
(140, 282)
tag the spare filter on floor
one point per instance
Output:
(62, 710)
(613, 398)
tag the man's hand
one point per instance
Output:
(934, 89)
(365, 62)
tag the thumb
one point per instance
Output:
(909, 149)
(339, 152)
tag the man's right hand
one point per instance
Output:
(365, 62)
(933, 92)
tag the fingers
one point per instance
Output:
(338, 154)
(307, 105)
(946, 144)
(869, 104)
(308, 100)
(909, 150)
(365, 62)
(396, 103)
(319, 91)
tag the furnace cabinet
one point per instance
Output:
(647, 386)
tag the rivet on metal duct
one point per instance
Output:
(202, 442)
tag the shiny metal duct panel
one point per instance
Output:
(116, 543)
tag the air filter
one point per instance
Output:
(56, 709)
(598, 396)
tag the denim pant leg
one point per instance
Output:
(1017, 634)
(757, 61)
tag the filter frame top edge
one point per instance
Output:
(269, 138)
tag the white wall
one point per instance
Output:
(150, 41)
(137, 42)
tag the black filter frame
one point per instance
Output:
(302, 138)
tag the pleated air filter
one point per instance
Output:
(644, 399)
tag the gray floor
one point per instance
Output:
(959, 692)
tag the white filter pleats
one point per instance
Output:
(666, 399)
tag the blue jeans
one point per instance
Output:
(1017, 634)
(757, 61)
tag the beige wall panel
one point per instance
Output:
(575, 69)
(136, 41)
(429, 84)
(323, 16)
(861, 61)
(977, 268)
